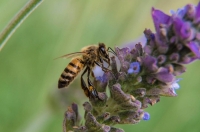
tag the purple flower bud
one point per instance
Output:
(190, 11)
(134, 68)
(148, 49)
(182, 29)
(195, 48)
(181, 12)
(87, 106)
(70, 117)
(122, 53)
(178, 69)
(159, 18)
(134, 53)
(164, 75)
(179, 47)
(139, 92)
(174, 57)
(187, 59)
(122, 56)
(153, 91)
(112, 120)
(139, 48)
(161, 59)
(92, 124)
(198, 34)
(146, 116)
(149, 35)
(163, 48)
(197, 17)
(149, 63)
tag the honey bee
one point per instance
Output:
(88, 58)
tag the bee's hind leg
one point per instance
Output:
(92, 89)
(83, 85)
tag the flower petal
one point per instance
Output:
(146, 116)
(195, 48)
(159, 18)
(164, 75)
(197, 17)
(182, 29)
(149, 63)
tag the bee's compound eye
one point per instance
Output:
(102, 50)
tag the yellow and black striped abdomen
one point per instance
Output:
(70, 72)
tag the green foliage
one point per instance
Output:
(29, 98)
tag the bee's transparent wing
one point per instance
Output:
(71, 55)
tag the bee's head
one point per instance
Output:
(103, 52)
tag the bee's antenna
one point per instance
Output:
(112, 51)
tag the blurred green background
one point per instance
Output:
(29, 98)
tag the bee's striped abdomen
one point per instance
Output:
(70, 72)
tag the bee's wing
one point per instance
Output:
(71, 55)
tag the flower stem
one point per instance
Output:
(17, 20)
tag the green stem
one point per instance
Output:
(17, 20)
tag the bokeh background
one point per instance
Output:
(29, 98)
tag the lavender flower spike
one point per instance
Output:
(145, 73)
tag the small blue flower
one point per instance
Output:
(180, 12)
(175, 86)
(146, 116)
(103, 78)
(172, 12)
(134, 67)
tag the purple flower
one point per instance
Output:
(159, 18)
(164, 75)
(134, 68)
(180, 12)
(182, 29)
(195, 48)
(146, 116)
(197, 17)
(149, 63)
(154, 67)
(175, 86)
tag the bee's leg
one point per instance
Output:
(83, 85)
(101, 60)
(112, 51)
(106, 60)
(92, 90)
(92, 74)
(101, 65)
